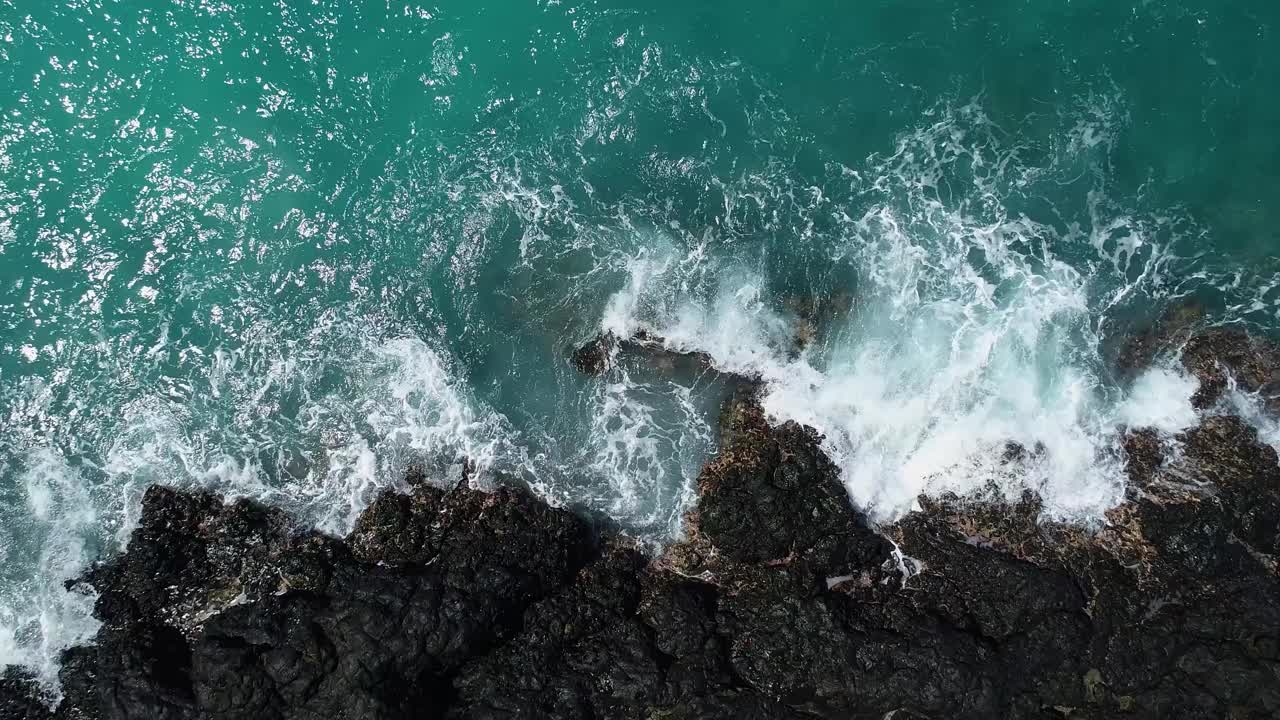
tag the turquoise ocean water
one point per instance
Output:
(282, 250)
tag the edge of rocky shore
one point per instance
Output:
(783, 602)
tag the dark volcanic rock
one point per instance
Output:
(1141, 350)
(600, 354)
(595, 357)
(1216, 356)
(1245, 475)
(782, 602)
(21, 697)
(772, 496)
(224, 611)
(1219, 355)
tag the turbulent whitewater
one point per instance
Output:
(288, 252)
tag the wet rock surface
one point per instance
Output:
(782, 602)
(606, 350)
(1217, 357)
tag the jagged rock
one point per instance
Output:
(21, 697)
(782, 603)
(772, 496)
(600, 354)
(596, 356)
(1144, 456)
(583, 652)
(1246, 474)
(225, 611)
(1216, 356)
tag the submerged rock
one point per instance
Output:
(596, 356)
(783, 602)
(814, 317)
(601, 354)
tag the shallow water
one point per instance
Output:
(284, 251)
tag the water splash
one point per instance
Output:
(973, 327)
(318, 453)
(52, 529)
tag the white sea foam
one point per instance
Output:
(38, 618)
(1251, 408)
(407, 408)
(1161, 398)
(628, 447)
(646, 443)
(419, 411)
(969, 332)
(328, 458)
(927, 399)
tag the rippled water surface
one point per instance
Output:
(285, 249)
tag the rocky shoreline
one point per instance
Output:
(783, 602)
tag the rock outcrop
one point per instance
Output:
(1216, 356)
(603, 352)
(783, 602)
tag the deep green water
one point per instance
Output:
(284, 249)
